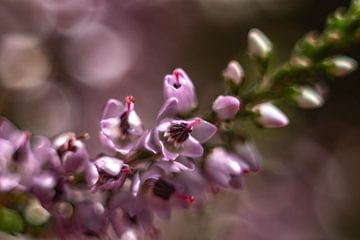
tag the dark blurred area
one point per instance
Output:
(60, 60)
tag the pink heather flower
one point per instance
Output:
(175, 138)
(90, 219)
(225, 169)
(106, 173)
(180, 86)
(121, 127)
(165, 192)
(72, 153)
(130, 212)
(10, 133)
(269, 116)
(226, 107)
(84, 219)
(179, 137)
(18, 164)
(184, 137)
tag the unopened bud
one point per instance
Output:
(226, 107)
(307, 97)
(259, 44)
(64, 210)
(234, 72)
(35, 214)
(340, 66)
(269, 116)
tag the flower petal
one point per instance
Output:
(113, 108)
(144, 143)
(192, 148)
(110, 145)
(185, 93)
(113, 184)
(73, 161)
(110, 127)
(145, 220)
(167, 110)
(6, 151)
(175, 166)
(91, 173)
(8, 130)
(135, 184)
(167, 154)
(203, 131)
(110, 165)
(8, 182)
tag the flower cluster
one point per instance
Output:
(179, 162)
(146, 172)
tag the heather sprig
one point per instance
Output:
(177, 163)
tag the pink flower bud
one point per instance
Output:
(340, 66)
(259, 44)
(234, 72)
(270, 116)
(226, 107)
(307, 97)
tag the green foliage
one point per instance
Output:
(10, 221)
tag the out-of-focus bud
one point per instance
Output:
(64, 210)
(234, 72)
(226, 107)
(269, 116)
(307, 97)
(225, 168)
(24, 64)
(248, 153)
(259, 44)
(356, 6)
(340, 66)
(35, 214)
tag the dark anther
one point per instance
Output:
(124, 123)
(163, 189)
(179, 132)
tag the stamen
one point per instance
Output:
(177, 75)
(129, 100)
(178, 132)
(188, 199)
(195, 122)
(163, 189)
(84, 136)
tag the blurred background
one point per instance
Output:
(60, 60)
